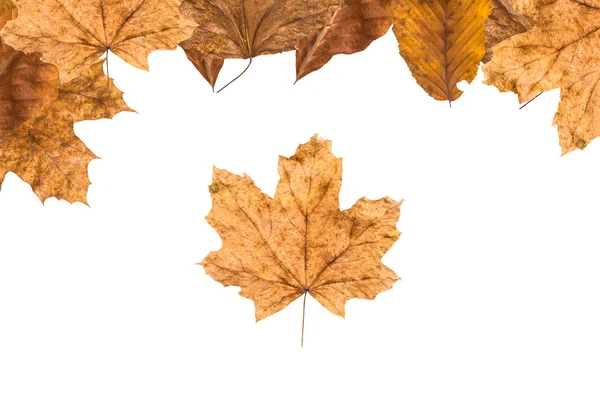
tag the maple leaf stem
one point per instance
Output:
(538, 95)
(107, 70)
(303, 314)
(237, 77)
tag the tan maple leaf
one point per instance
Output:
(73, 34)
(442, 41)
(8, 11)
(560, 51)
(26, 83)
(299, 242)
(504, 22)
(46, 153)
(352, 29)
(250, 28)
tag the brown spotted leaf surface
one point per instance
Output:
(26, 83)
(352, 29)
(277, 249)
(8, 11)
(503, 23)
(250, 28)
(73, 34)
(562, 50)
(442, 41)
(46, 153)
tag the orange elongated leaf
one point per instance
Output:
(299, 242)
(352, 29)
(560, 51)
(504, 22)
(46, 153)
(442, 41)
(251, 28)
(73, 34)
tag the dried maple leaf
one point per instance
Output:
(46, 153)
(208, 65)
(73, 34)
(504, 22)
(442, 41)
(352, 29)
(251, 28)
(299, 242)
(26, 83)
(8, 11)
(560, 51)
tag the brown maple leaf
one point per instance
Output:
(73, 34)
(442, 41)
(46, 153)
(504, 22)
(250, 28)
(352, 29)
(299, 242)
(208, 65)
(560, 51)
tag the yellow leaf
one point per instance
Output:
(442, 41)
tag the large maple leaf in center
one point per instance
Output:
(299, 242)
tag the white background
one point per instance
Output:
(499, 255)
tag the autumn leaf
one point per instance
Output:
(8, 11)
(503, 23)
(352, 29)
(560, 51)
(530, 7)
(46, 153)
(73, 34)
(250, 28)
(26, 83)
(299, 242)
(442, 41)
(208, 65)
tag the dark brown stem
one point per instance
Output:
(538, 95)
(303, 314)
(237, 77)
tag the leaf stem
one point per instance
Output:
(107, 70)
(538, 95)
(303, 314)
(237, 77)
